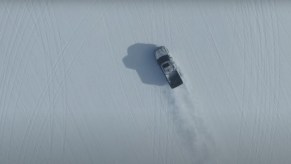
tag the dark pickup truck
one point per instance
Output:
(168, 67)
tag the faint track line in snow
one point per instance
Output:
(262, 67)
(51, 74)
(30, 128)
(9, 74)
(18, 63)
(244, 36)
(210, 28)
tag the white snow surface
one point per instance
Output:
(79, 83)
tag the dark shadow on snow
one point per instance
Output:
(140, 57)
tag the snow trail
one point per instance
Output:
(183, 110)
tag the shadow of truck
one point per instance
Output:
(140, 57)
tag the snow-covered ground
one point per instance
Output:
(79, 83)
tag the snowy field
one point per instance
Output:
(79, 83)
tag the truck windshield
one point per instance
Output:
(166, 65)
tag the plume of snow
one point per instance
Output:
(189, 126)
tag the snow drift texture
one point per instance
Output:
(79, 82)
